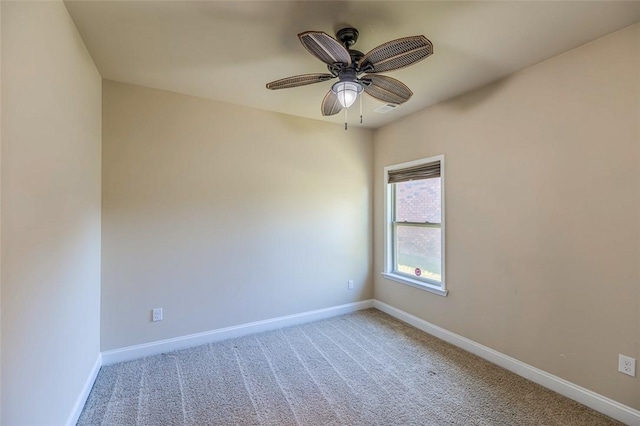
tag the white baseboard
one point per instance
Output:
(168, 345)
(84, 394)
(584, 396)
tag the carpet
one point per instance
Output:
(365, 368)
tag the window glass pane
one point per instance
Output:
(418, 201)
(419, 251)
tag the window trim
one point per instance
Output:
(388, 272)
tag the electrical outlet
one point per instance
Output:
(156, 314)
(627, 365)
(350, 284)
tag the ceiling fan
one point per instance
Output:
(357, 71)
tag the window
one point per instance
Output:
(414, 224)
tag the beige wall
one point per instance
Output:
(543, 213)
(224, 215)
(51, 100)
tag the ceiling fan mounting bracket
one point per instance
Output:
(347, 36)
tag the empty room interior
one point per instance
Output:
(318, 212)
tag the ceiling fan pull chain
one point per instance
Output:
(344, 97)
(360, 109)
(345, 118)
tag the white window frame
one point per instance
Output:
(423, 284)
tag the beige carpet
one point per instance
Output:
(365, 368)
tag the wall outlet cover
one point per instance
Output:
(156, 314)
(627, 365)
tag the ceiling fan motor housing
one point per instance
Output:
(349, 75)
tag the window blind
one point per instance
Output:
(422, 171)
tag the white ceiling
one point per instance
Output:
(228, 50)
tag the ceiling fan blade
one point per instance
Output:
(387, 89)
(396, 54)
(330, 104)
(324, 47)
(298, 80)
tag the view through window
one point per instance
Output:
(417, 228)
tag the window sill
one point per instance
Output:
(417, 284)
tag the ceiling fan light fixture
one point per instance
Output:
(347, 92)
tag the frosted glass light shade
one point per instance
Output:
(347, 92)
